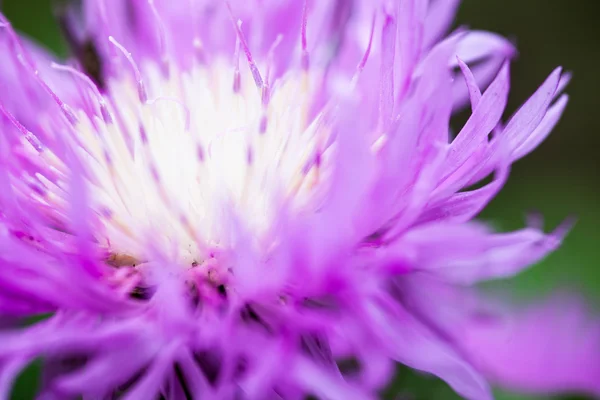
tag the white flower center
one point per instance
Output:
(178, 165)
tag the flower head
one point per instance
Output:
(233, 199)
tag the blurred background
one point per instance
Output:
(559, 179)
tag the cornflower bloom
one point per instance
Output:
(263, 199)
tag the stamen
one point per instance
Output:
(253, 68)
(305, 58)
(365, 58)
(162, 36)
(27, 63)
(266, 92)
(186, 110)
(199, 50)
(114, 54)
(249, 155)
(101, 102)
(388, 48)
(236, 63)
(191, 232)
(271, 57)
(143, 135)
(196, 41)
(137, 173)
(136, 72)
(265, 96)
(28, 135)
(262, 128)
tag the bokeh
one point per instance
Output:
(558, 180)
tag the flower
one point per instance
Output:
(263, 199)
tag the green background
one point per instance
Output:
(559, 179)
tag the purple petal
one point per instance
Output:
(474, 92)
(463, 206)
(548, 348)
(469, 253)
(440, 16)
(411, 17)
(479, 45)
(531, 113)
(415, 345)
(541, 132)
(474, 134)
(148, 387)
(388, 48)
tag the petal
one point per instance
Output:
(479, 45)
(469, 253)
(149, 386)
(488, 51)
(531, 124)
(440, 16)
(472, 137)
(411, 17)
(547, 348)
(541, 132)
(463, 206)
(483, 73)
(8, 373)
(20, 92)
(531, 113)
(544, 348)
(322, 383)
(422, 125)
(414, 344)
(388, 48)
(474, 92)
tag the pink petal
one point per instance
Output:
(548, 348)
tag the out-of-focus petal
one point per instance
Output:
(440, 15)
(469, 253)
(416, 345)
(546, 348)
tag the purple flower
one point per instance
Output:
(263, 199)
